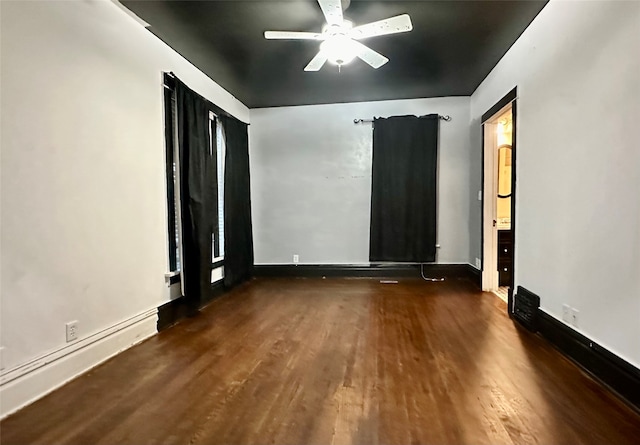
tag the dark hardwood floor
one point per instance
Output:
(336, 361)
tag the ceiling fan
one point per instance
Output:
(339, 37)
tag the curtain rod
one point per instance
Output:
(169, 82)
(446, 118)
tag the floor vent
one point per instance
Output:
(525, 308)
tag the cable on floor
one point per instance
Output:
(428, 278)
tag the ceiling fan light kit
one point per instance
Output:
(339, 37)
(338, 49)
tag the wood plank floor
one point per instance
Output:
(336, 361)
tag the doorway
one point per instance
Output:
(498, 221)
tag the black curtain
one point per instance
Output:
(238, 237)
(198, 192)
(403, 189)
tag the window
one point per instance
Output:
(172, 177)
(215, 128)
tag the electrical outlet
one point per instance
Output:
(72, 331)
(296, 258)
(479, 195)
(566, 311)
(574, 317)
(478, 263)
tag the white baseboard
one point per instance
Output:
(29, 382)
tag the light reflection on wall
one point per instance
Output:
(504, 137)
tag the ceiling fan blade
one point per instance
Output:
(317, 62)
(399, 23)
(291, 35)
(332, 10)
(368, 55)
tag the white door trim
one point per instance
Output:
(490, 235)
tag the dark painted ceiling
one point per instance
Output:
(453, 46)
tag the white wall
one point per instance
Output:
(83, 190)
(311, 180)
(577, 69)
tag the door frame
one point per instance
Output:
(489, 176)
